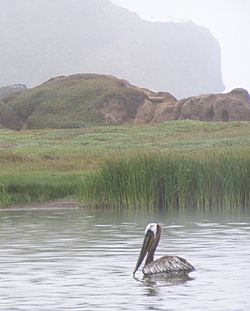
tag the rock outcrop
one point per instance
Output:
(81, 100)
(232, 106)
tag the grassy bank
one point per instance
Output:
(41, 165)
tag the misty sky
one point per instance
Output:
(228, 20)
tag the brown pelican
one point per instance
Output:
(171, 265)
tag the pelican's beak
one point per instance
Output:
(147, 242)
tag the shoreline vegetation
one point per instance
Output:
(172, 180)
(175, 164)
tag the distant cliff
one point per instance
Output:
(48, 38)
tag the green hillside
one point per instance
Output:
(66, 102)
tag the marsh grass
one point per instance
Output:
(175, 163)
(173, 180)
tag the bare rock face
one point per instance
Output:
(232, 106)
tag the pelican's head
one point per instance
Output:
(151, 232)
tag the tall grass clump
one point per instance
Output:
(174, 180)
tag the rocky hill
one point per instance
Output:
(49, 38)
(80, 100)
(88, 99)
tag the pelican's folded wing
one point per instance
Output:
(168, 264)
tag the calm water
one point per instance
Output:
(76, 259)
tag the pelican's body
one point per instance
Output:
(167, 264)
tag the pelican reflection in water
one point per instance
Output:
(171, 265)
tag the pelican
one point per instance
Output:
(171, 265)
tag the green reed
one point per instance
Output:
(172, 180)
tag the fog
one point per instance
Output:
(228, 20)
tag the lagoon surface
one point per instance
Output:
(83, 259)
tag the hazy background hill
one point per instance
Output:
(45, 38)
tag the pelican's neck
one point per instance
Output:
(152, 249)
